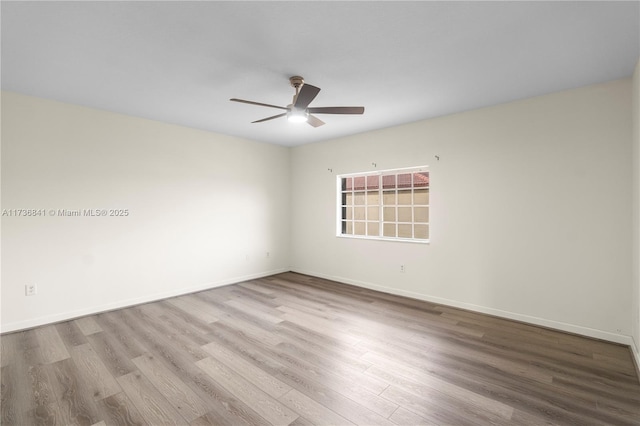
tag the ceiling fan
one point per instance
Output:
(299, 110)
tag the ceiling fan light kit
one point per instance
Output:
(298, 115)
(298, 111)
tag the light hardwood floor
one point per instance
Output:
(293, 349)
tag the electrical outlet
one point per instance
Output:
(401, 268)
(268, 254)
(30, 290)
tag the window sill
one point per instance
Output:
(397, 240)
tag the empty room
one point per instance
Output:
(327, 213)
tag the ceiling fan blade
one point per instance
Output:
(270, 118)
(306, 95)
(336, 110)
(314, 121)
(256, 103)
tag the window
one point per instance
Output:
(390, 204)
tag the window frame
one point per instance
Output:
(342, 214)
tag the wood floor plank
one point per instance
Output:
(524, 418)
(425, 385)
(623, 403)
(323, 356)
(229, 313)
(174, 325)
(256, 286)
(250, 308)
(179, 395)
(8, 344)
(70, 334)
(27, 390)
(616, 408)
(434, 409)
(540, 399)
(269, 408)
(187, 304)
(77, 406)
(40, 414)
(340, 377)
(27, 339)
(263, 301)
(300, 403)
(112, 354)
(251, 331)
(299, 350)
(301, 421)
(258, 377)
(97, 379)
(88, 325)
(48, 414)
(402, 416)
(315, 341)
(181, 322)
(345, 397)
(153, 407)
(118, 410)
(224, 407)
(318, 324)
(114, 323)
(170, 337)
(621, 365)
(213, 418)
(174, 312)
(40, 379)
(12, 411)
(307, 305)
(353, 407)
(344, 379)
(51, 345)
(347, 366)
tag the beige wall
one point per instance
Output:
(529, 210)
(204, 210)
(529, 217)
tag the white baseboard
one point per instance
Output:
(561, 326)
(66, 316)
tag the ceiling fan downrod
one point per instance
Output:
(296, 82)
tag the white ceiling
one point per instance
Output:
(180, 62)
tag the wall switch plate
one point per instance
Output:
(401, 268)
(30, 290)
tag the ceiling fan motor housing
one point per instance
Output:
(296, 81)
